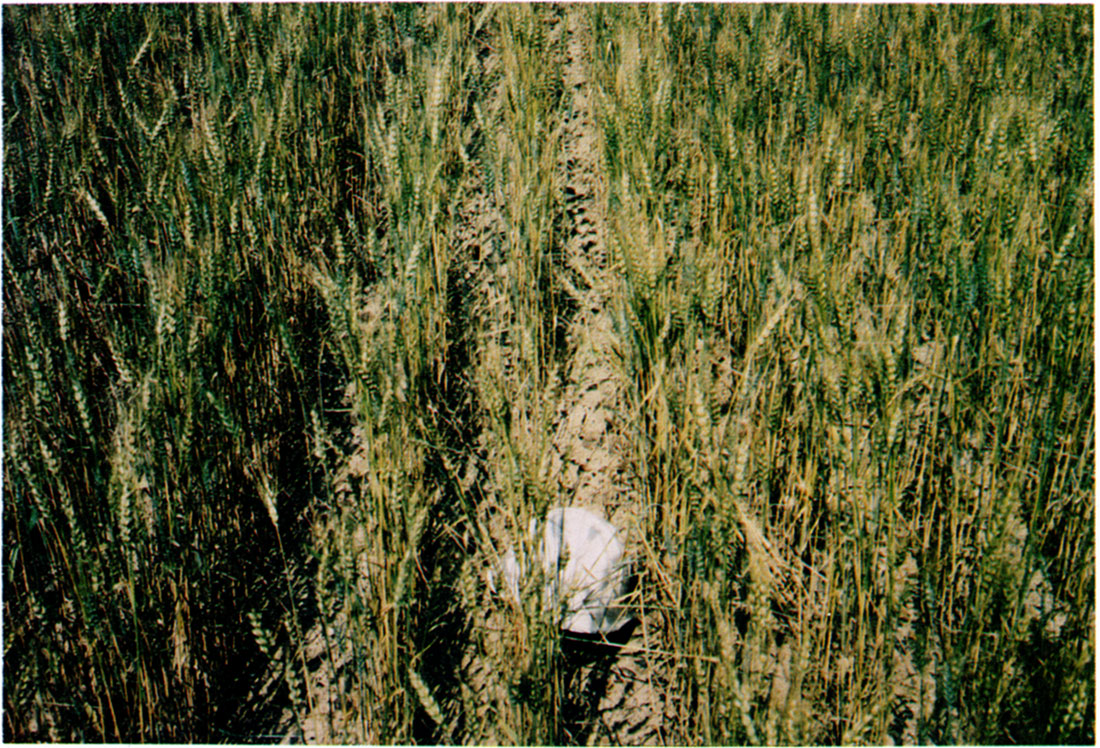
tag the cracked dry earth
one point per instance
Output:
(587, 443)
(616, 697)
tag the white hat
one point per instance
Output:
(589, 578)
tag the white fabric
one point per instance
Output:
(587, 581)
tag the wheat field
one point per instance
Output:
(308, 310)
